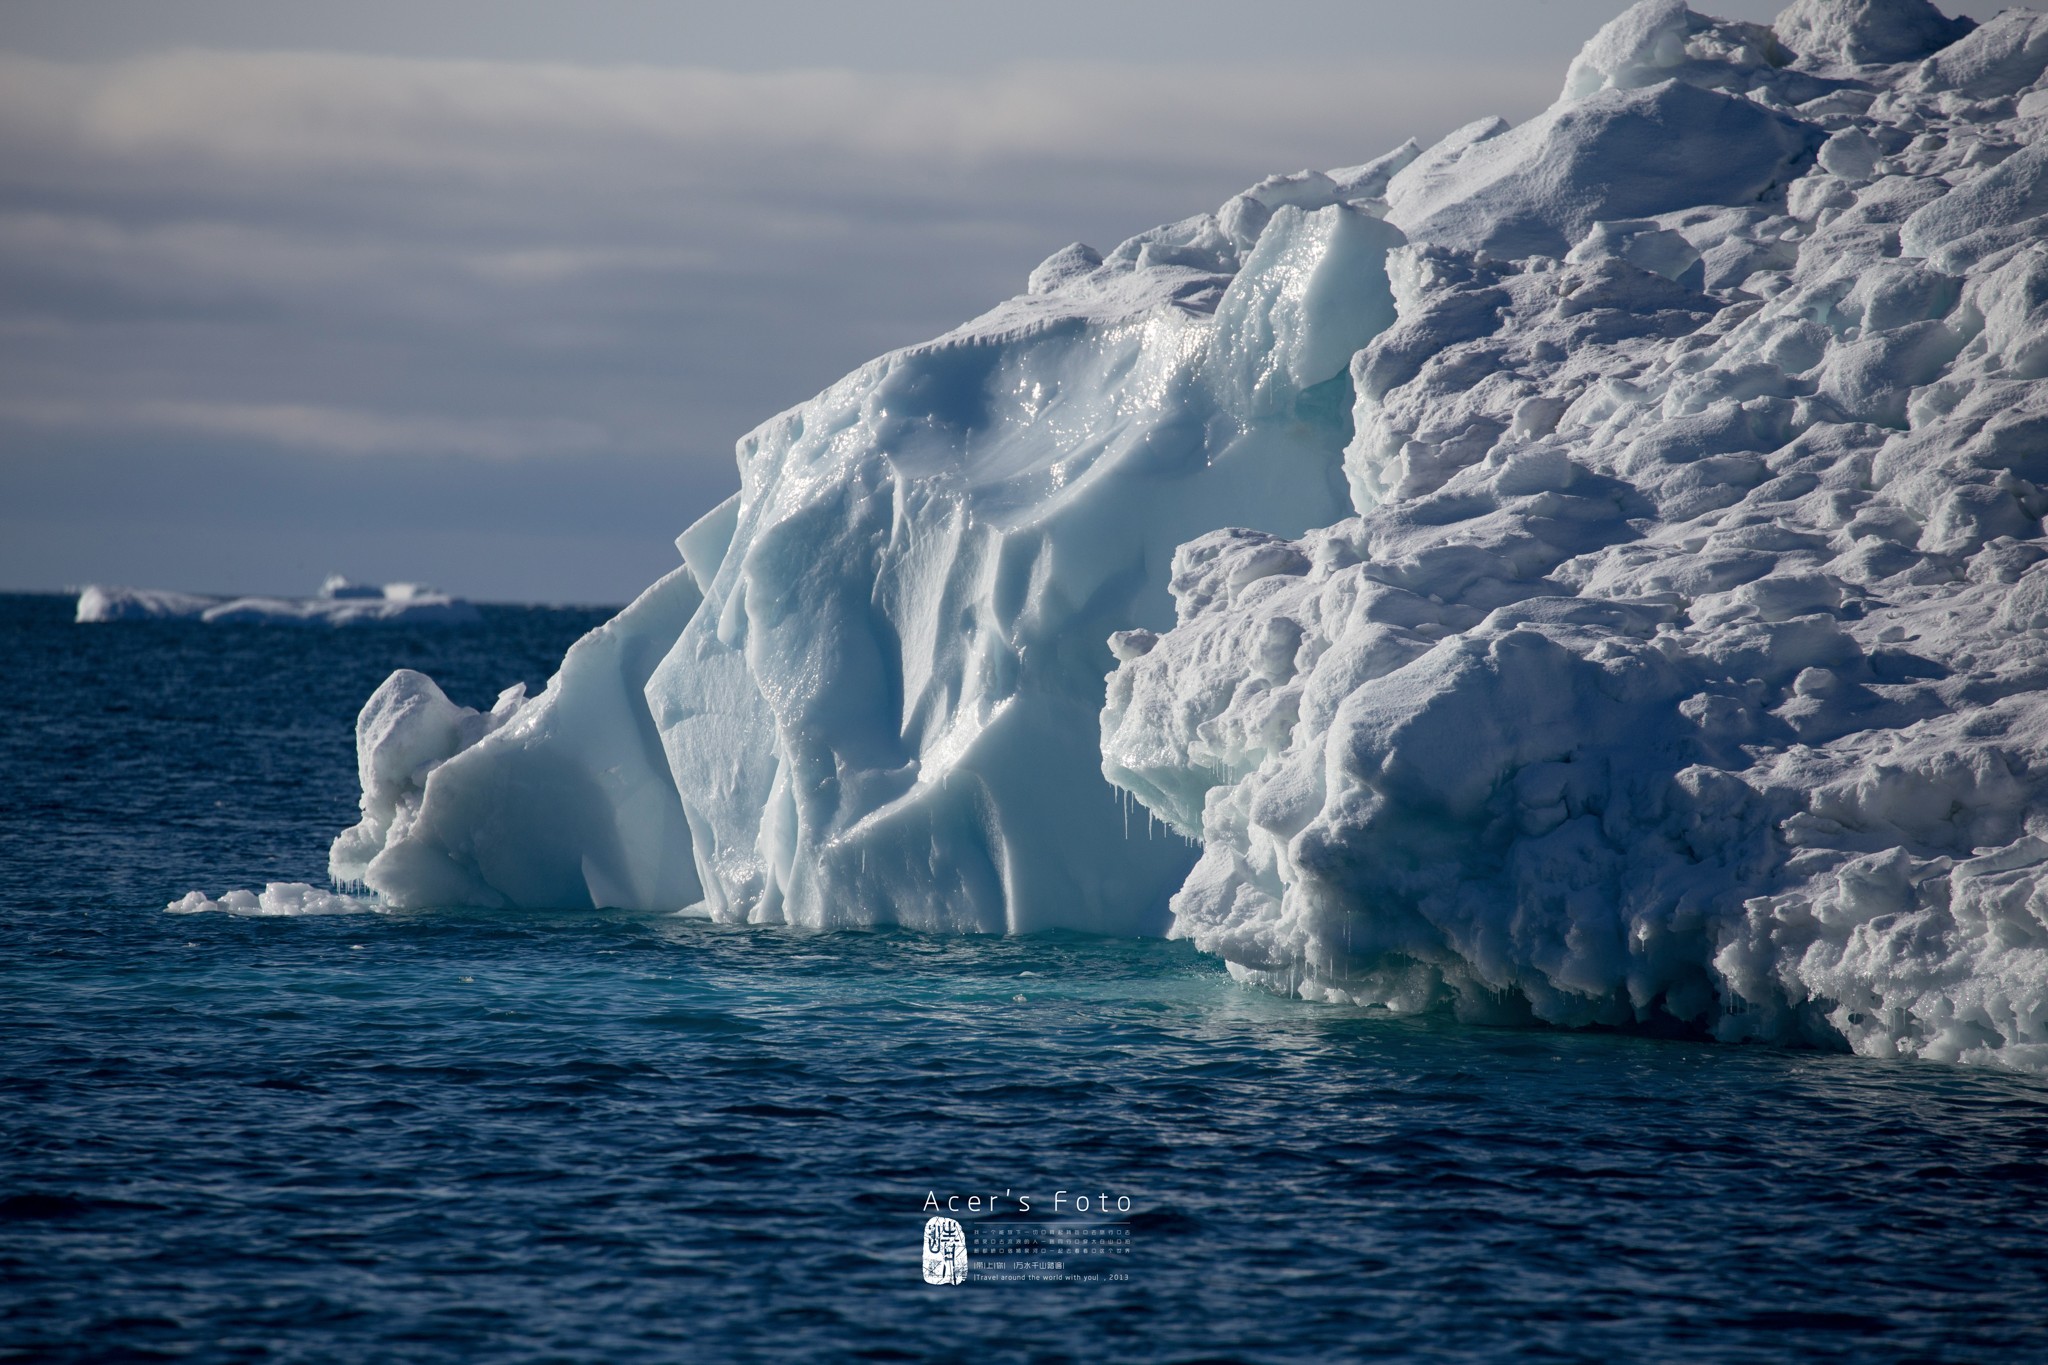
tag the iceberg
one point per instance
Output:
(340, 603)
(870, 692)
(1587, 573)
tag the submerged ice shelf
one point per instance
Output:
(1589, 571)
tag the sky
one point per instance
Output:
(482, 293)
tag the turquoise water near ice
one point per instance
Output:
(457, 1136)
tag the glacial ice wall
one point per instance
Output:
(872, 691)
(1589, 572)
(1686, 661)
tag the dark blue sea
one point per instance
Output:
(461, 1136)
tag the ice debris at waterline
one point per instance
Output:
(276, 900)
(1589, 571)
(340, 603)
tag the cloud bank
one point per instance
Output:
(275, 270)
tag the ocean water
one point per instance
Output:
(578, 1137)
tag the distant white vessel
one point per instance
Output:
(340, 603)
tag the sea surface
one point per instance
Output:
(465, 1136)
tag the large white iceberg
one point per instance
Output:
(1589, 572)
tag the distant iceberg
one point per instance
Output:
(340, 603)
(1589, 572)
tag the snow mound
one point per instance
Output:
(340, 603)
(1849, 33)
(1588, 572)
(2004, 57)
(1539, 188)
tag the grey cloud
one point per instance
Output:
(324, 430)
(608, 274)
(895, 35)
(490, 122)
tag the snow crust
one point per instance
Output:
(1588, 572)
(1685, 661)
(340, 603)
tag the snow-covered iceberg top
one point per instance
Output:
(1588, 572)
(340, 603)
(1686, 660)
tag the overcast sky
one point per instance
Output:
(482, 292)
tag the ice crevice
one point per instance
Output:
(1588, 572)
